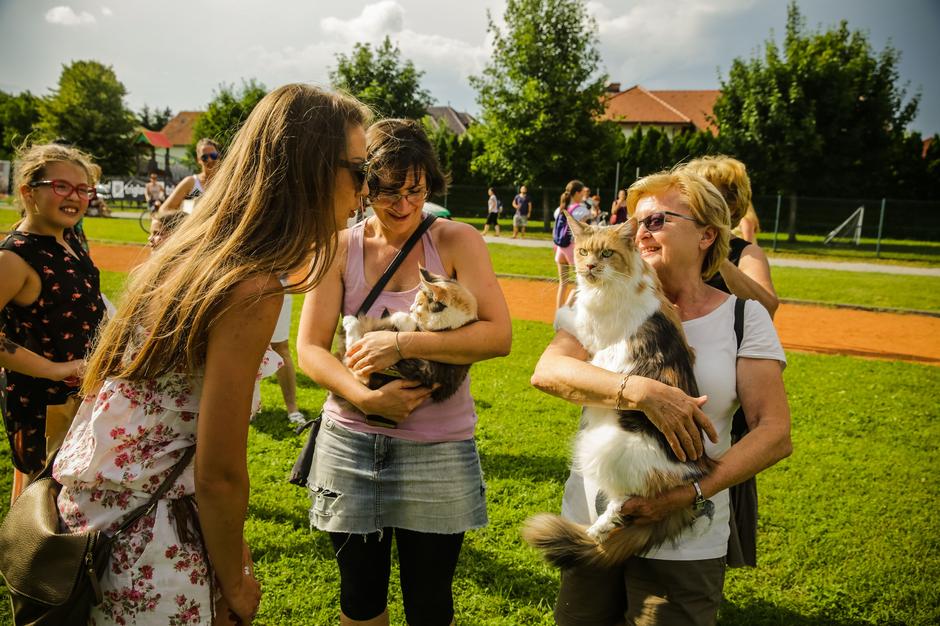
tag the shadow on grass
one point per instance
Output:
(274, 424)
(535, 467)
(511, 580)
(764, 613)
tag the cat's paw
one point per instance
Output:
(403, 321)
(599, 531)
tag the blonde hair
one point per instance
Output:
(703, 201)
(32, 161)
(729, 175)
(274, 211)
(205, 141)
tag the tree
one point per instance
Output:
(18, 116)
(541, 97)
(821, 116)
(154, 119)
(382, 80)
(226, 113)
(88, 111)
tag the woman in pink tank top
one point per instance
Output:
(421, 480)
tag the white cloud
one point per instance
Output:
(65, 16)
(106, 11)
(652, 42)
(376, 20)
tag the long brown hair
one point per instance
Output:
(573, 187)
(272, 210)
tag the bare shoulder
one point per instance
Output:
(256, 295)
(453, 233)
(754, 252)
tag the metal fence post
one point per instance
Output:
(777, 222)
(617, 181)
(881, 223)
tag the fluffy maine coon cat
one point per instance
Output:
(440, 304)
(621, 317)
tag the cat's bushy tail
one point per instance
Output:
(566, 544)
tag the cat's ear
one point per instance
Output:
(577, 228)
(627, 230)
(427, 276)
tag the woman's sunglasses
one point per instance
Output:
(359, 170)
(654, 222)
(209, 156)
(64, 188)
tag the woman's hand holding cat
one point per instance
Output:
(679, 417)
(395, 400)
(643, 511)
(375, 352)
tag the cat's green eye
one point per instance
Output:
(582, 251)
(607, 253)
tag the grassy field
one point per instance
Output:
(848, 530)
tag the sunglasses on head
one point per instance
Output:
(209, 156)
(359, 170)
(64, 188)
(654, 222)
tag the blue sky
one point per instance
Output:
(175, 52)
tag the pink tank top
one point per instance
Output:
(451, 420)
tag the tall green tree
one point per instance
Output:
(226, 113)
(19, 115)
(541, 98)
(154, 119)
(380, 78)
(87, 109)
(821, 115)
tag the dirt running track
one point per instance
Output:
(804, 328)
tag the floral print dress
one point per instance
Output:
(123, 444)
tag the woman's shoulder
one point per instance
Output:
(450, 232)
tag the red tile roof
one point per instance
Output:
(679, 107)
(156, 139)
(179, 130)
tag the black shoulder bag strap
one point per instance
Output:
(739, 320)
(301, 469)
(159, 493)
(396, 262)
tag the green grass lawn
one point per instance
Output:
(848, 526)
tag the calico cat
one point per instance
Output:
(620, 315)
(440, 304)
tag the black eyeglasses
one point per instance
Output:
(359, 170)
(64, 188)
(209, 156)
(385, 199)
(654, 222)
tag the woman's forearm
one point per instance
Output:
(474, 342)
(755, 452)
(223, 504)
(18, 359)
(327, 371)
(745, 287)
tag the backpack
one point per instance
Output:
(561, 233)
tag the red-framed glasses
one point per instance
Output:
(64, 188)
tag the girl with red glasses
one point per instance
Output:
(50, 303)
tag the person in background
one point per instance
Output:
(523, 206)
(749, 226)
(50, 303)
(427, 489)
(572, 203)
(493, 209)
(154, 193)
(618, 209)
(192, 187)
(286, 374)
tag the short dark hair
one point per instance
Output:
(397, 147)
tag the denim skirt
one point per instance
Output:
(362, 483)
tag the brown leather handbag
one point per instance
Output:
(53, 575)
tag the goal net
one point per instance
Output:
(849, 231)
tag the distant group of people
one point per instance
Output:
(116, 399)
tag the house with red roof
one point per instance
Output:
(671, 111)
(179, 132)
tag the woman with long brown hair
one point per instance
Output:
(178, 364)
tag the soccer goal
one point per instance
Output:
(849, 231)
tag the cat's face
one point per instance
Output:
(604, 253)
(442, 303)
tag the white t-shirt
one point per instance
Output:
(492, 205)
(712, 336)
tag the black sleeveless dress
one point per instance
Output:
(60, 325)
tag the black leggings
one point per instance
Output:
(426, 565)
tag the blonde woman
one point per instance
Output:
(50, 302)
(682, 233)
(178, 364)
